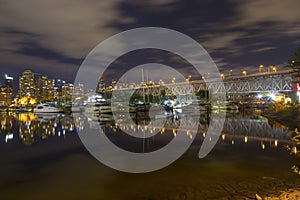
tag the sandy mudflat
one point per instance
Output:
(292, 194)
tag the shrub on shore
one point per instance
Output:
(285, 112)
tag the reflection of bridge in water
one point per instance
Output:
(255, 127)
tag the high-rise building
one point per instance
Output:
(6, 91)
(27, 86)
(79, 90)
(67, 91)
(5, 95)
(9, 81)
(45, 88)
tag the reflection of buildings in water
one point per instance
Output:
(32, 127)
(44, 126)
(79, 119)
(7, 121)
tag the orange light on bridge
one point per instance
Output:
(188, 78)
(173, 80)
(261, 68)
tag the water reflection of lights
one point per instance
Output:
(276, 143)
(273, 142)
(9, 136)
(32, 127)
(26, 117)
(175, 132)
(223, 136)
(234, 138)
(263, 146)
(294, 150)
(188, 133)
(246, 139)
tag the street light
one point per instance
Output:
(230, 72)
(222, 76)
(173, 80)
(161, 82)
(270, 67)
(245, 73)
(188, 78)
(261, 68)
(274, 69)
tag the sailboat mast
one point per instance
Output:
(147, 76)
(143, 85)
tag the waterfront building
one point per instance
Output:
(9, 81)
(45, 88)
(67, 91)
(6, 92)
(27, 86)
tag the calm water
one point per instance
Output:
(42, 157)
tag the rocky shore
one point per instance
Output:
(292, 194)
(287, 115)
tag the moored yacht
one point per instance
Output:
(45, 108)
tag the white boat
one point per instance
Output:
(45, 108)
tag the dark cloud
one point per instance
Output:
(33, 48)
(11, 31)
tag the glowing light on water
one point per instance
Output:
(223, 136)
(174, 132)
(295, 150)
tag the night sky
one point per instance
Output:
(53, 37)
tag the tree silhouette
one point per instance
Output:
(295, 62)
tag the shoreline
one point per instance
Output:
(286, 120)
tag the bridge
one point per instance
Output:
(280, 81)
